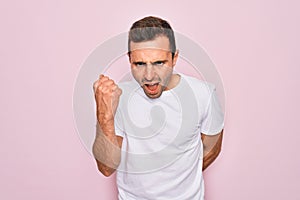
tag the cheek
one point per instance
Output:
(165, 72)
(137, 74)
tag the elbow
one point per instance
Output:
(105, 170)
(106, 173)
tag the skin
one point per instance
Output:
(152, 63)
(106, 148)
(212, 147)
(152, 67)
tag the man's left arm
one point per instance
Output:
(211, 148)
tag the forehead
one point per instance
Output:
(160, 42)
(158, 48)
(146, 55)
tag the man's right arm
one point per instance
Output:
(107, 145)
(106, 150)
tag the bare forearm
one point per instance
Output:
(211, 148)
(106, 150)
(210, 158)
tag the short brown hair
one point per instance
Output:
(149, 28)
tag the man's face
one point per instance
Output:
(152, 65)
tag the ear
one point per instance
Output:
(175, 58)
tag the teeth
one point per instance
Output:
(151, 84)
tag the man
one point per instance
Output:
(161, 130)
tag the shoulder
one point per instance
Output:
(199, 87)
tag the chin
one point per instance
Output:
(153, 96)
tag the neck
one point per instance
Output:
(174, 80)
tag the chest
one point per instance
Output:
(167, 122)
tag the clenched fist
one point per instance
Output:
(107, 95)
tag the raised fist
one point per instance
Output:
(107, 95)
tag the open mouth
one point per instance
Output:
(152, 87)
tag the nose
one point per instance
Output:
(149, 73)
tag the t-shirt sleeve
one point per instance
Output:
(213, 120)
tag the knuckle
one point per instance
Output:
(95, 84)
(105, 78)
(110, 82)
(99, 90)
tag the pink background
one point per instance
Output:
(254, 44)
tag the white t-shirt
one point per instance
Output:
(162, 149)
